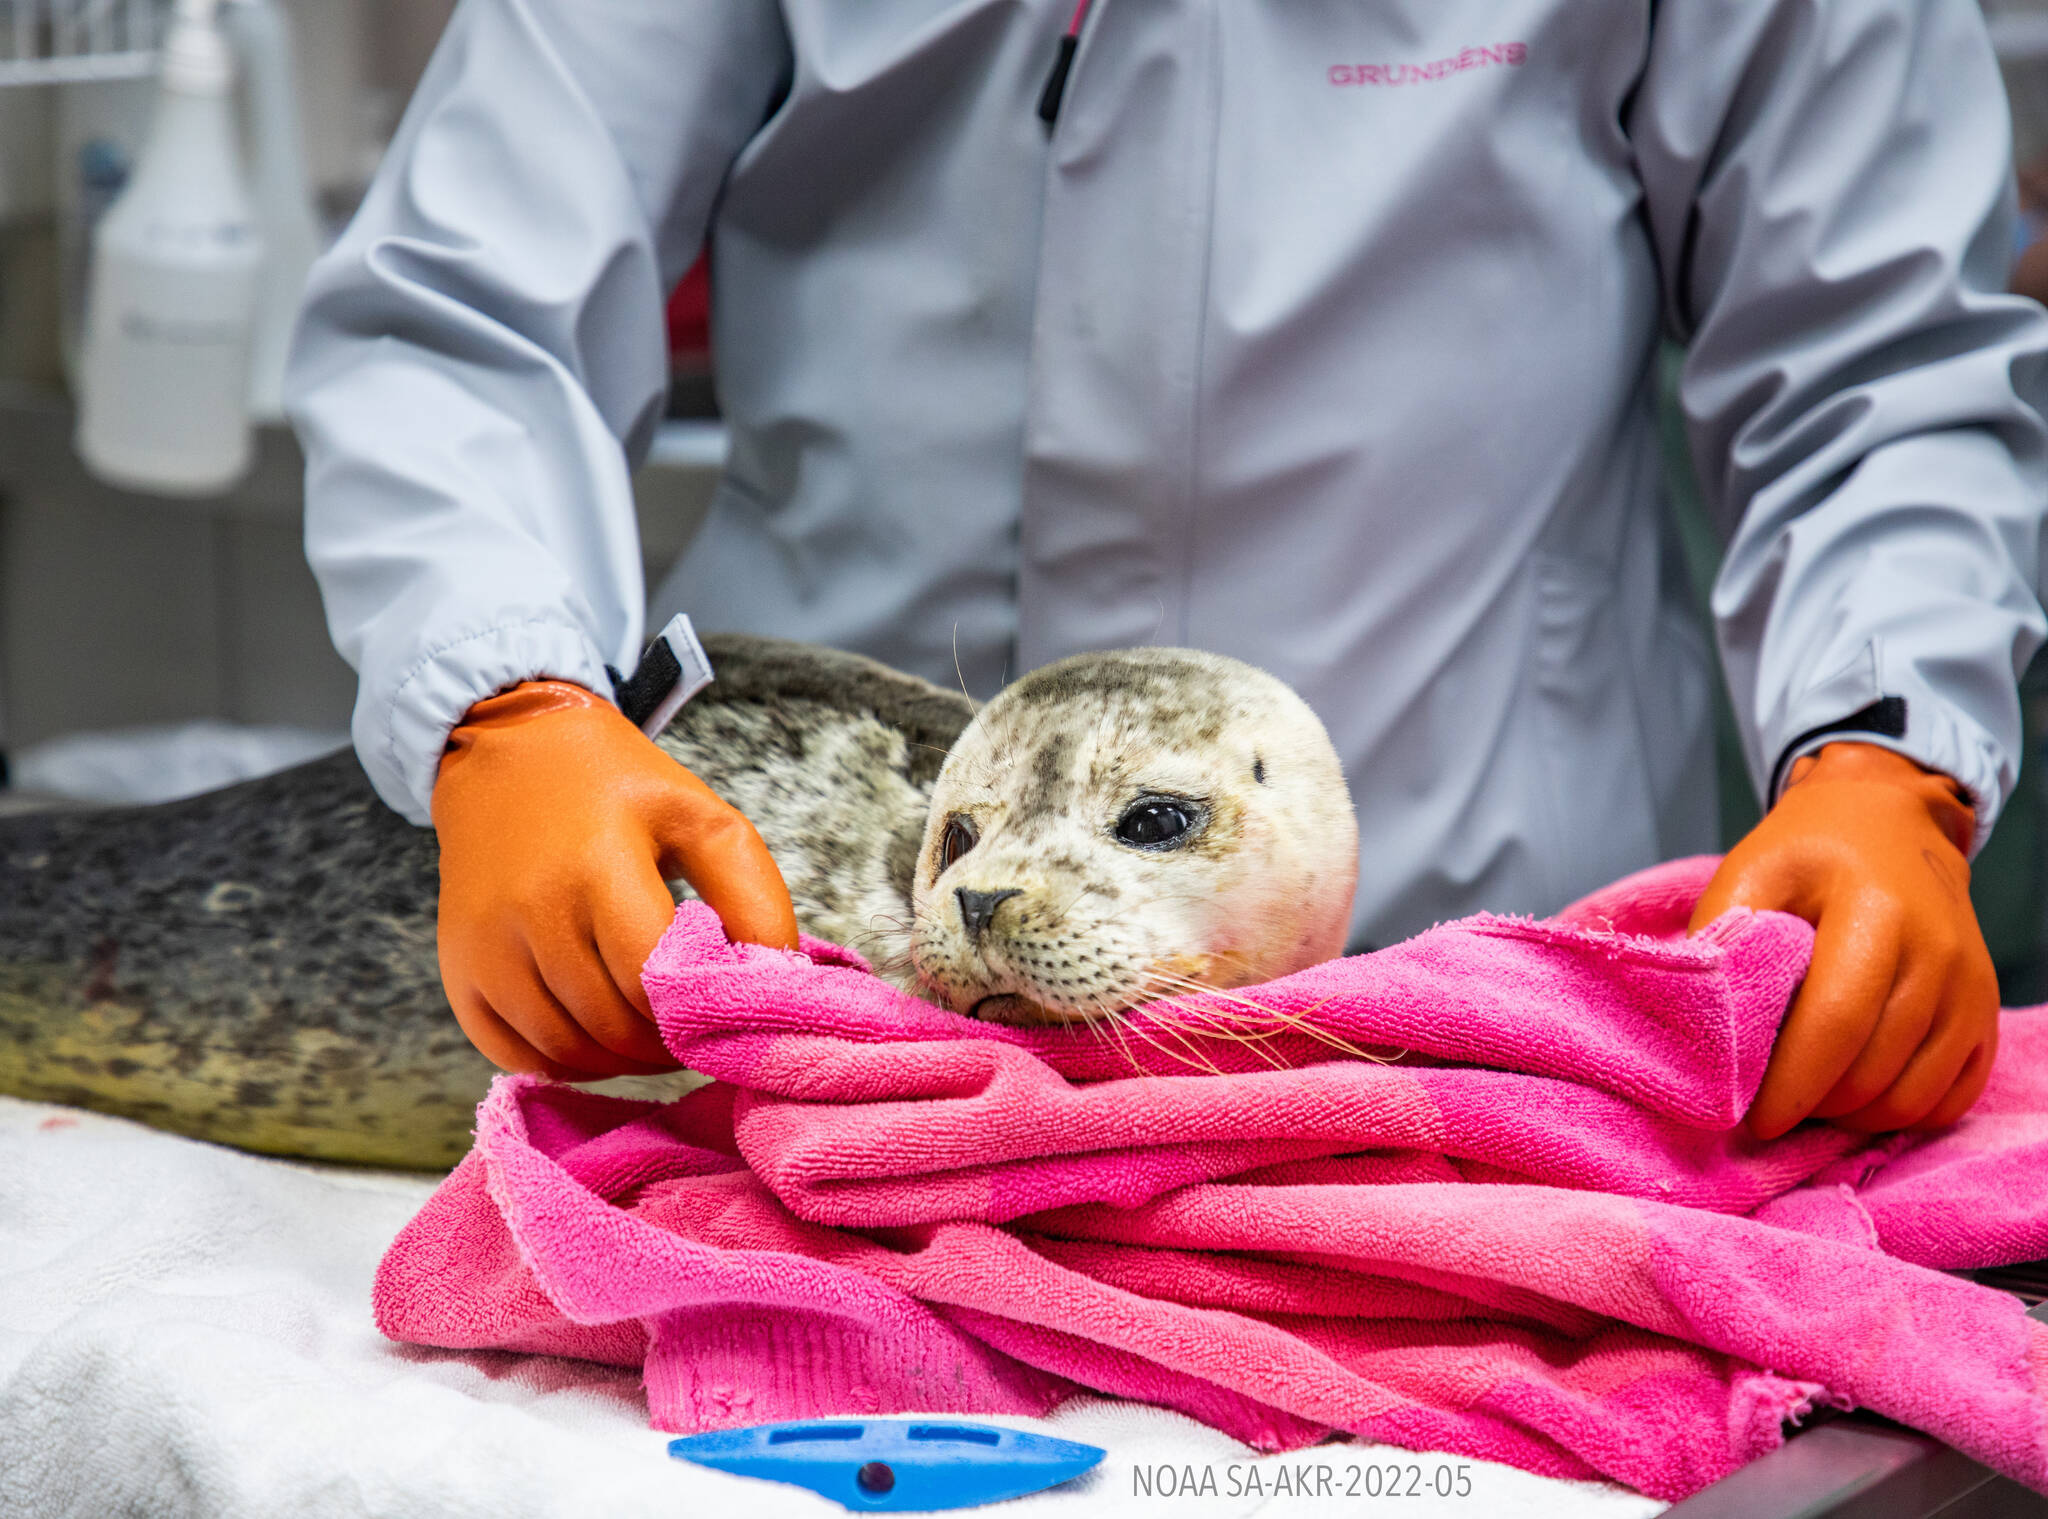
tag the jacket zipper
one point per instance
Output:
(1056, 81)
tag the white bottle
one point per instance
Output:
(101, 125)
(171, 300)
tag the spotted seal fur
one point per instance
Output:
(256, 966)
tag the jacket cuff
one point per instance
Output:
(401, 733)
(1895, 711)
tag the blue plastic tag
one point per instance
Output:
(894, 1465)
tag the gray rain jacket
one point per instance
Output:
(1317, 332)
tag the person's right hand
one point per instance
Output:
(560, 823)
(1896, 1023)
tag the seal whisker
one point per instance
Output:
(1209, 1024)
(888, 953)
(1295, 1022)
(1211, 989)
(1060, 917)
(1290, 1022)
(1195, 1055)
(1254, 1044)
(1108, 1024)
(961, 676)
(1120, 1020)
(1099, 1029)
(881, 925)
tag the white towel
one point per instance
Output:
(185, 1330)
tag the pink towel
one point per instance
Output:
(1535, 1238)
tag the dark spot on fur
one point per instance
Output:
(1259, 769)
(1169, 682)
(1048, 779)
(255, 1094)
(99, 982)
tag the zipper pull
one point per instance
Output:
(1056, 81)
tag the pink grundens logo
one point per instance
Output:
(1508, 54)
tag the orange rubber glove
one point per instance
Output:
(559, 823)
(1896, 1023)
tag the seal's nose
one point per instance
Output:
(977, 907)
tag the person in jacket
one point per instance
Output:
(1318, 334)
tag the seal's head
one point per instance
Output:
(1126, 826)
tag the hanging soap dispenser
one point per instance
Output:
(164, 380)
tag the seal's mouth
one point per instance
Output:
(1007, 1007)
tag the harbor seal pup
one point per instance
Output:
(256, 966)
(1121, 827)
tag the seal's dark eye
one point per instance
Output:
(1157, 822)
(960, 835)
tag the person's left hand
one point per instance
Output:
(1896, 1023)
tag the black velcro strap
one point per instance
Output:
(652, 679)
(1885, 717)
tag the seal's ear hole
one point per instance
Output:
(1259, 769)
(959, 836)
